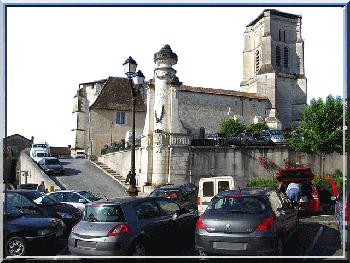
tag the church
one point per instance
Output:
(169, 113)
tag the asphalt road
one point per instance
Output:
(81, 174)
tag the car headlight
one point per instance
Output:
(64, 215)
(43, 232)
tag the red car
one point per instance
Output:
(319, 197)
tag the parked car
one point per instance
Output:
(34, 202)
(248, 139)
(223, 139)
(23, 232)
(315, 198)
(51, 165)
(27, 186)
(131, 226)
(76, 198)
(79, 154)
(185, 195)
(274, 136)
(249, 221)
(341, 217)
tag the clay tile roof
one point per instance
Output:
(116, 95)
(220, 92)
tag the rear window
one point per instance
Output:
(208, 189)
(236, 203)
(168, 193)
(103, 213)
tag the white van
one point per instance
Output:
(211, 186)
(38, 154)
(79, 154)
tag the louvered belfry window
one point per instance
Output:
(257, 60)
(278, 56)
(286, 57)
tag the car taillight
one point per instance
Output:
(199, 224)
(266, 224)
(119, 229)
(346, 212)
(199, 201)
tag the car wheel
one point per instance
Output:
(15, 246)
(279, 251)
(138, 249)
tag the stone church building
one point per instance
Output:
(169, 113)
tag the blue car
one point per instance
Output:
(341, 219)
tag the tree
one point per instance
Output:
(321, 128)
(257, 127)
(233, 127)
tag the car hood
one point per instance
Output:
(295, 175)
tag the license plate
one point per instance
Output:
(59, 233)
(230, 246)
(86, 244)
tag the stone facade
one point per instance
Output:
(274, 65)
(273, 90)
(95, 114)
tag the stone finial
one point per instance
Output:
(166, 56)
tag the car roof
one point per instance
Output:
(174, 186)
(50, 158)
(125, 199)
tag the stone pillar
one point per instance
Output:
(164, 75)
(147, 140)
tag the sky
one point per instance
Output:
(51, 50)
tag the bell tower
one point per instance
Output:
(273, 66)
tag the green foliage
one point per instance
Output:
(260, 182)
(232, 127)
(257, 127)
(321, 127)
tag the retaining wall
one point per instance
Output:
(31, 173)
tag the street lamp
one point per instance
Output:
(135, 80)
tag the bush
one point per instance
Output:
(257, 127)
(232, 127)
(260, 182)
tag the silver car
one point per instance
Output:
(76, 198)
(131, 226)
(249, 221)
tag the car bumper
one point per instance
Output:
(236, 244)
(96, 247)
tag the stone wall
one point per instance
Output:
(198, 110)
(31, 173)
(189, 164)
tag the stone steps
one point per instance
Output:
(111, 172)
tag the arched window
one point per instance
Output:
(286, 57)
(257, 60)
(278, 56)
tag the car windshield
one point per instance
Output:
(276, 132)
(52, 161)
(168, 193)
(89, 196)
(40, 199)
(103, 213)
(236, 204)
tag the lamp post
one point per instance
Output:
(135, 80)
